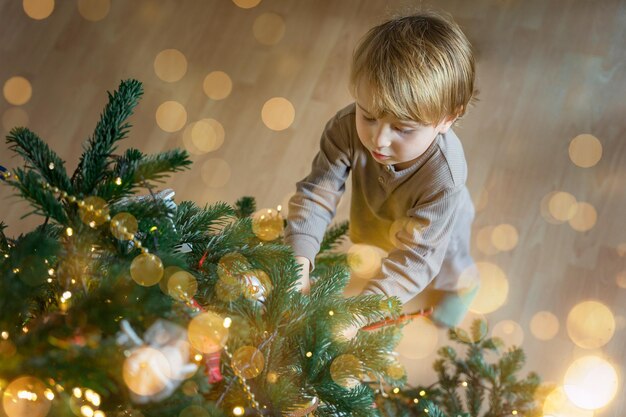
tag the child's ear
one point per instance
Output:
(445, 125)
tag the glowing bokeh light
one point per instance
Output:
(584, 218)
(26, 397)
(585, 150)
(590, 324)
(278, 113)
(557, 404)
(406, 225)
(207, 333)
(38, 9)
(207, 135)
(590, 382)
(504, 237)
(364, 260)
(544, 325)
(509, 331)
(146, 371)
(13, 117)
(170, 65)
(217, 85)
(545, 209)
(17, 90)
(419, 339)
(215, 172)
(493, 291)
(94, 10)
(182, 286)
(562, 206)
(247, 4)
(171, 116)
(167, 273)
(146, 269)
(268, 28)
(484, 241)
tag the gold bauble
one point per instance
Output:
(121, 221)
(146, 269)
(249, 361)
(94, 211)
(267, 224)
(396, 370)
(146, 371)
(230, 266)
(346, 370)
(207, 333)
(182, 286)
(26, 397)
(167, 273)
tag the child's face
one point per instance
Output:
(392, 141)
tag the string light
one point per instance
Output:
(118, 181)
(238, 411)
(422, 393)
(396, 390)
(5, 335)
(309, 354)
(331, 313)
(415, 400)
(69, 231)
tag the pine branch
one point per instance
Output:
(156, 167)
(333, 236)
(245, 207)
(39, 156)
(110, 129)
(30, 187)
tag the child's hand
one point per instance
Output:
(303, 283)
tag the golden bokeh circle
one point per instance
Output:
(217, 85)
(544, 325)
(182, 286)
(170, 65)
(167, 273)
(17, 90)
(171, 116)
(590, 324)
(38, 9)
(146, 371)
(207, 333)
(25, 397)
(94, 211)
(466, 325)
(405, 225)
(268, 28)
(562, 206)
(395, 370)
(278, 113)
(493, 291)
(345, 370)
(509, 332)
(267, 224)
(14, 117)
(545, 208)
(590, 382)
(249, 361)
(247, 4)
(94, 10)
(364, 261)
(146, 269)
(215, 173)
(504, 237)
(419, 339)
(203, 136)
(121, 221)
(484, 241)
(557, 404)
(585, 150)
(584, 218)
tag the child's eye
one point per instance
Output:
(369, 119)
(404, 131)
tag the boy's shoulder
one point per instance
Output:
(452, 157)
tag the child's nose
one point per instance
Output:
(381, 138)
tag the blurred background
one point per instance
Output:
(246, 86)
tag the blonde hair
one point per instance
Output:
(419, 67)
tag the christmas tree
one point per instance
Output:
(126, 305)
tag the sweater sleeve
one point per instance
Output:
(314, 204)
(420, 247)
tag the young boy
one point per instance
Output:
(411, 78)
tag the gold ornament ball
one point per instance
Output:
(267, 224)
(230, 266)
(182, 285)
(395, 370)
(146, 269)
(346, 370)
(206, 332)
(249, 361)
(94, 211)
(121, 220)
(257, 284)
(26, 397)
(167, 273)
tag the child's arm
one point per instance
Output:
(313, 206)
(421, 246)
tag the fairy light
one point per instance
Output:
(26, 395)
(99, 414)
(422, 393)
(5, 335)
(464, 383)
(227, 322)
(69, 231)
(238, 411)
(16, 270)
(67, 295)
(25, 329)
(198, 357)
(415, 400)
(49, 394)
(118, 181)
(51, 272)
(309, 354)
(77, 392)
(49, 280)
(331, 313)
(51, 165)
(153, 229)
(514, 412)
(396, 390)
(86, 410)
